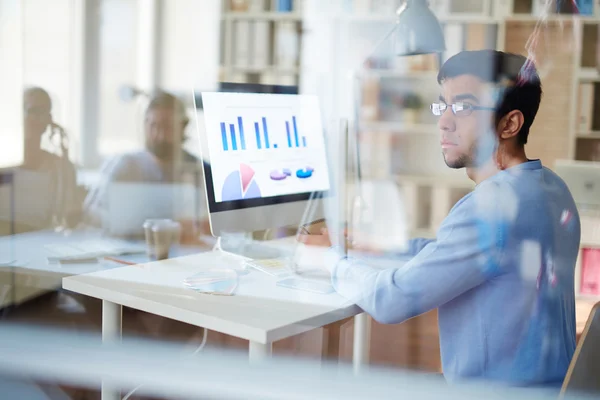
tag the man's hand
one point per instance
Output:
(322, 239)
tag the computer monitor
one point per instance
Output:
(265, 159)
(583, 180)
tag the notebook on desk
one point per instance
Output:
(131, 204)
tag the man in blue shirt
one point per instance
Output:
(501, 269)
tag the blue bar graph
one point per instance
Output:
(295, 131)
(289, 137)
(242, 138)
(257, 129)
(266, 132)
(224, 136)
(262, 138)
(233, 139)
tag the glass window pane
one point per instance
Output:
(119, 121)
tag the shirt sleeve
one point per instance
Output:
(96, 202)
(415, 246)
(467, 252)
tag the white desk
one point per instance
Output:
(259, 312)
(32, 275)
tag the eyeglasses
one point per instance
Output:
(460, 109)
(37, 112)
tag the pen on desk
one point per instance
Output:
(305, 227)
(118, 261)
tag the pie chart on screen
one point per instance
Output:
(240, 185)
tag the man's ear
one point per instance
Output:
(184, 137)
(510, 125)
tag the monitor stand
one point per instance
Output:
(243, 244)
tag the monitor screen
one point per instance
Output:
(263, 149)
(239, 87)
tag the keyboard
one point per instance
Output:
(89, 249)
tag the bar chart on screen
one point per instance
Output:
(233, 135)
(264, 145)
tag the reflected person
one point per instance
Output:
(164, 160)
(501, 269)
(45, 185)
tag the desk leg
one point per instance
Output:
(362, 341)
(332, 335)
(259, 352)
(111, 331)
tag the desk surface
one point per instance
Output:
(28, 250)
(260, 311)
(34, 275)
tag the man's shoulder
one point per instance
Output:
(128, 166)
(139, 156)
(491, 199)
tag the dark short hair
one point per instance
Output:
(161, 99)
(515, 76)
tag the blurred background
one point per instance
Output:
(86, 84)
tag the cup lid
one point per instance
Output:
(164, 225)
(149, 223)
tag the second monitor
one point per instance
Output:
(267, 159)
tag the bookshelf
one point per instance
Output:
(261, 41)
(325, 43)
(394, 148)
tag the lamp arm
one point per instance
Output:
(357, 204)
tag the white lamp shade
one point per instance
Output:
(418, 30)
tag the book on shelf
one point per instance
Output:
(286, 79)
(479, 36)
(239, 5)
(585, 107)
(541, 7)
(590, 272)
(261, 44)
(287, 44)
(370, 99)
(440, 8)
(268, 78)
(257, 5)
(503, 9)
(585, 7)
(582, 7)
(241, 55)
(284, 5)
(469, 7)
(299, 6)
(454, 34)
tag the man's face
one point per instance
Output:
(37, 117)
(467, 140)
(164, 132)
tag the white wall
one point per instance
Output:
(48, 57)
(11, 100)
(190, 44)
(120, 126)
(189, 49)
